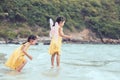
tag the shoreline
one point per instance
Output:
(85, 36)
(46, 41)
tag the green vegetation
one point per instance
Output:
(24, 17)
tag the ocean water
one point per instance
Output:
(78, 62)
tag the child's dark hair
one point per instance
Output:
(59, 19)
(33, 37)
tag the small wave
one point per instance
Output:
(113, 71)
(85, 64)
(92, 63)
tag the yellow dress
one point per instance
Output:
(17, 58)
(55, 45)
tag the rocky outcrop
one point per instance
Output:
(87, 36)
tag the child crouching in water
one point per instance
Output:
(17, 60)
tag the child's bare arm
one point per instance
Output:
(24, 51)
(62, 34)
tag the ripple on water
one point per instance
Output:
(90, 63)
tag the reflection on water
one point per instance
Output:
(78, 62)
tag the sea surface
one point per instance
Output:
(78, 62)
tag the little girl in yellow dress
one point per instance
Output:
(56, 41)
(17, 59)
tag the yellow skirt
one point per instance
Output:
(55, 46)
(16, 59)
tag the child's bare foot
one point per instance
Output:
(18, 70)
(58, 67)
(52, 67)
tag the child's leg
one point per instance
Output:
(52, 60)
(58, 60)
(21, 66)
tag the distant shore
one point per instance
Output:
(46, 41)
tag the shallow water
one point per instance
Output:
(78, 62)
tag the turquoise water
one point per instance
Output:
(78, 62)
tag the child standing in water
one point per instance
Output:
(56, 41)
(17, 60)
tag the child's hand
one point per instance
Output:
(70, 37)
(30, 57)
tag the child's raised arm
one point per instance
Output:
(24, 51)
(62, 34)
